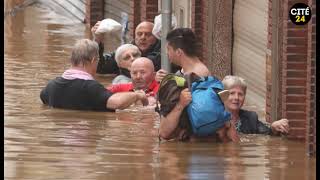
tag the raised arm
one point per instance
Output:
(97, 37)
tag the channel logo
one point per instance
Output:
(300, 14)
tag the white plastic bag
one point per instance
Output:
(156, 31)
(109, 26)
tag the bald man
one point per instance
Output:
(147, 43)
(143, 78)
(144, 38)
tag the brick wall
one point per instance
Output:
(94, 11)
(150, 10)
(199, 24)
(134, 18)
(143, 10)
(295, 74)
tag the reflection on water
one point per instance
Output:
(45, 143)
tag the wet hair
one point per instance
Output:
(185, 39)
(84, 51)
(232, 81)
(123, 48)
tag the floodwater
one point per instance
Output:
(46, 143)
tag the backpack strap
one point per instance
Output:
(190, 78)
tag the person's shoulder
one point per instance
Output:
(154, 83)
(91, 82)
(124, 87)
(158, 45)
(85, 84)
(121, 79)
(155, 49)
(57, 80)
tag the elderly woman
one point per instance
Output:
(124, 56)
(77, 88)
(247, 121)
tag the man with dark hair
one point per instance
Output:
(182, 51)
(77, 89)
(184, 40)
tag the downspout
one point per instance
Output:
(165, 28)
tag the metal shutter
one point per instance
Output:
(250, 22)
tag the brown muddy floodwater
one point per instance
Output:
(44, 143)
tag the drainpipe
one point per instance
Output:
(165, 28)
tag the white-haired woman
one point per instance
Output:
(247, 121)
(124, 56)
(77, 88)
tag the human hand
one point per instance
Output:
(151, 100)
(228, 132)
(281, 125)
(185, 97)
(160, 75)
(232, 132)
(97, 37)
(142, 97)
(222, 134)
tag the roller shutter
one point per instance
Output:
(250, 23)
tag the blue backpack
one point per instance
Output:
(206, 111)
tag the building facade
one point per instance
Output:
(252, 39)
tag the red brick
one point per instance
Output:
(297, 49)
(298, 41)
(296, 74)
(297, 131)
(293, 90)
(296, 99)
(295, 115)
(296, 82)
(292, 2)
(297, 32)
(297, 58)
(296, 107)
(296, 123)
(94, 11)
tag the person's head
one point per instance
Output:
(237, 92)
(85, 54)
(181, 42)
(142, 73)
(144, 38)
(126, 54)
